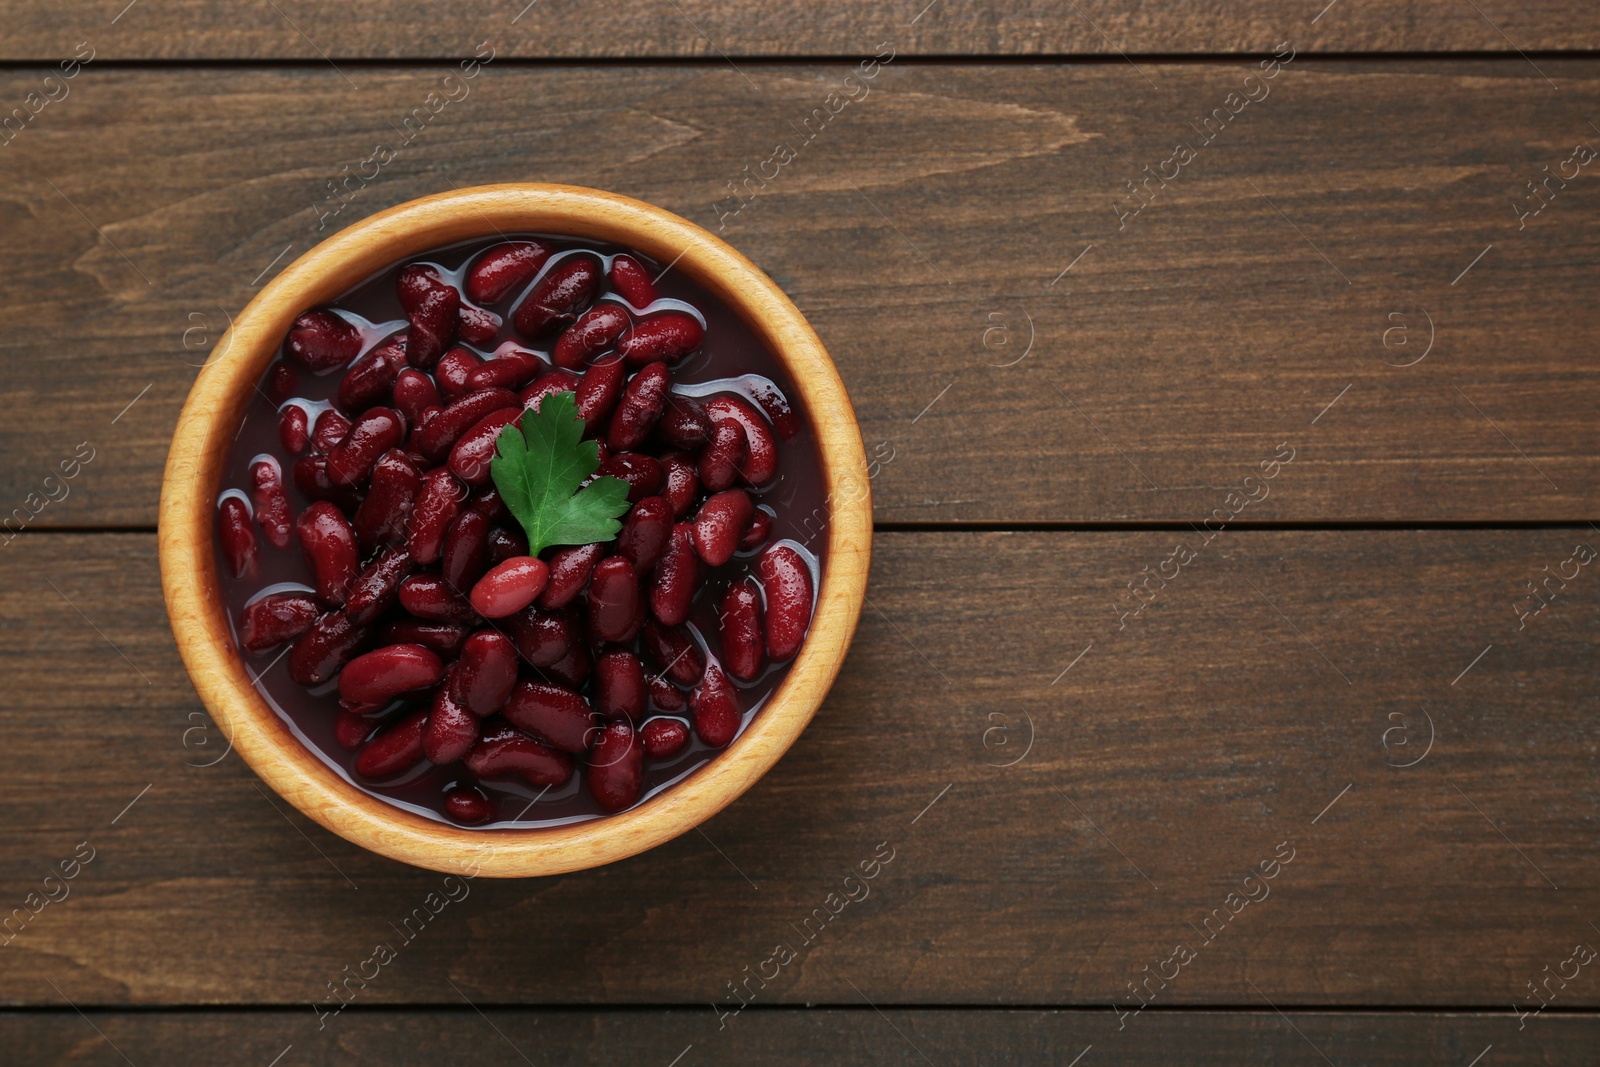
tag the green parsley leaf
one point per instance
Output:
(538, 468)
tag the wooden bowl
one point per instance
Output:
(211, 418)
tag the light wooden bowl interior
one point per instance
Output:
(210, 420)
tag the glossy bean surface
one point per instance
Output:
(329, 544)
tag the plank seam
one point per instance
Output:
(1479, 1011)
(716, 63)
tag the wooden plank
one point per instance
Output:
(928, 232)
(657, 1036)
(716, 29)
(1263, 703)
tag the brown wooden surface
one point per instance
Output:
(1195, 741)
(1280, 689)
(1173, 358)
(946, 1038)
(302, 30)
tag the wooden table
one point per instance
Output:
(1230, 645)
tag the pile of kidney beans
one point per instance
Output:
(449, 643)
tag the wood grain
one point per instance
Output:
(920, 231)
(714, 29)
(1260, 704)
(1221, 1039)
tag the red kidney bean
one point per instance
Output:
(557, 380)
(719, 463)
(559, 297)
(311, 478)
(664, 738)
(594, 332)
(632, 279)
(743, 649)
(570, 568)
(379, 676)
(669, 337)
(351, 730)
(375, 587)
(415, 392)
(684, 423)
(503, 268)
(438, 504)
(381, 518)
(666, 696)
(486, 672)
(321, 341)
(716, 528)
(373, 434)
(682, 482)
(395, 749)
(509, 587)
(598, 390)
(512, 370)
(282, 383)
(294, 429)
(673, 652)
(370, 380)
(760, 463)
(613, 599)
(716, 708)
(641, 404)
(557, 714)
(452, 728)
(427, 596)
(474, 451)
(786, 580)
(467, 805)
(645, 533)
(616, 767)
(321, 651)
(641, 472)
(542, 638)
(414, 282)
(573, 669)
(466, 549)
(486, 500)
(329, 430)
(676, 578)
(442, 637)
(271, 503)
(476, 325)
(755, 535)
(776, 407)
(433, 326)
(506, 752)
(274, 619)
(453, 370)
(440, 435)
(504, 543)
(330, 549)
(619, 688)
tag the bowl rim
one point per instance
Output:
(209, 420)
